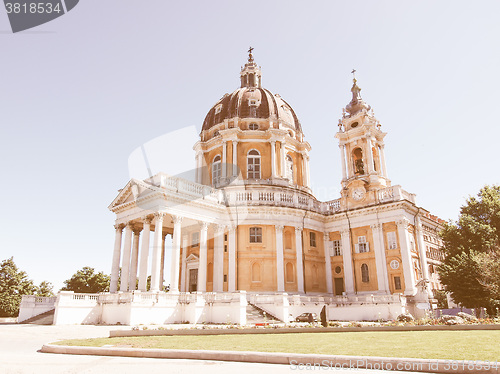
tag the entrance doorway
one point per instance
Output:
(193, 280)
(339, 286)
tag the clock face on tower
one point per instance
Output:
(358, 193)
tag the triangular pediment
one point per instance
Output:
(132, 190)
(192, 258)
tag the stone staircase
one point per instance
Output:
(46, 318)
(256, 316)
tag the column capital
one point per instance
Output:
(159, 215)
(344, 232)
(298, 229)
(204, 225)
(232, 227)
(279, 228)
(177, 220)
(129, 225)
(403, 223)
(146, 220)
(119, 226)
(326, 236)
(219, 229)
(136, 230)
(376, 226)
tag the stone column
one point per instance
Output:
(157, 244)
(134, 261)
(183, 263)
(162, 261)
(421, 252)
(231, 285)
(176, 255)
(300, 266)
(115, 265)
(369, 155)
(218, 280)
(342, 160)
(308, 172)
(347, 262)
(198, 167)
(280, 267)
(143, 267)
(328, 264)
(127, 246)
(224, 161)
(380, 259)
(282, 160)
(235, 158)
(382, 160)
(273, 159)
(202, 268)
(406, 257)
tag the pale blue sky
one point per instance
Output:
(79, 94)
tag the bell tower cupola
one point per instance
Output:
(251, 76)
(361, 143)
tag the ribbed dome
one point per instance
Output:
(252, 102)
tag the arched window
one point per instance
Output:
(253, 164)
(289, 272)
(253, 126)
(359, 167)
(256, 272)
(289, 168)
(216, 170)
(365, 276)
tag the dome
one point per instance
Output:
(252, 101)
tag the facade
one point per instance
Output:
(249, 229)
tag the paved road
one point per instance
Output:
(19, 345)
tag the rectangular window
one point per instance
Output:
(225, 277)
(337, 248)
(255, 234)
(397, 283)
(362, 245)
(312, 239)
(225, 237)
(391, 240)
(225, 247)
(195, 239)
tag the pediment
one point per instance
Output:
(132, 190)
(192, 258)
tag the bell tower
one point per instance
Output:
(361, 143)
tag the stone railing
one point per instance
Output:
(273, 195)
(394, 193)
(39, 300)
(345, 300)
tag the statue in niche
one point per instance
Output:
(360, 168)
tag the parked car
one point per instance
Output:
(307, 317)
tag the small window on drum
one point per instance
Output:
(218, 109)
(253, 126)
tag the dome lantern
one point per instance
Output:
(250, 74)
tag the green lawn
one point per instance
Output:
(455, 345)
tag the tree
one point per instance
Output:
(470, 270)
(14, 283)
(45, 289)
(86, 281)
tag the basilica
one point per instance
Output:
(249, 231)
